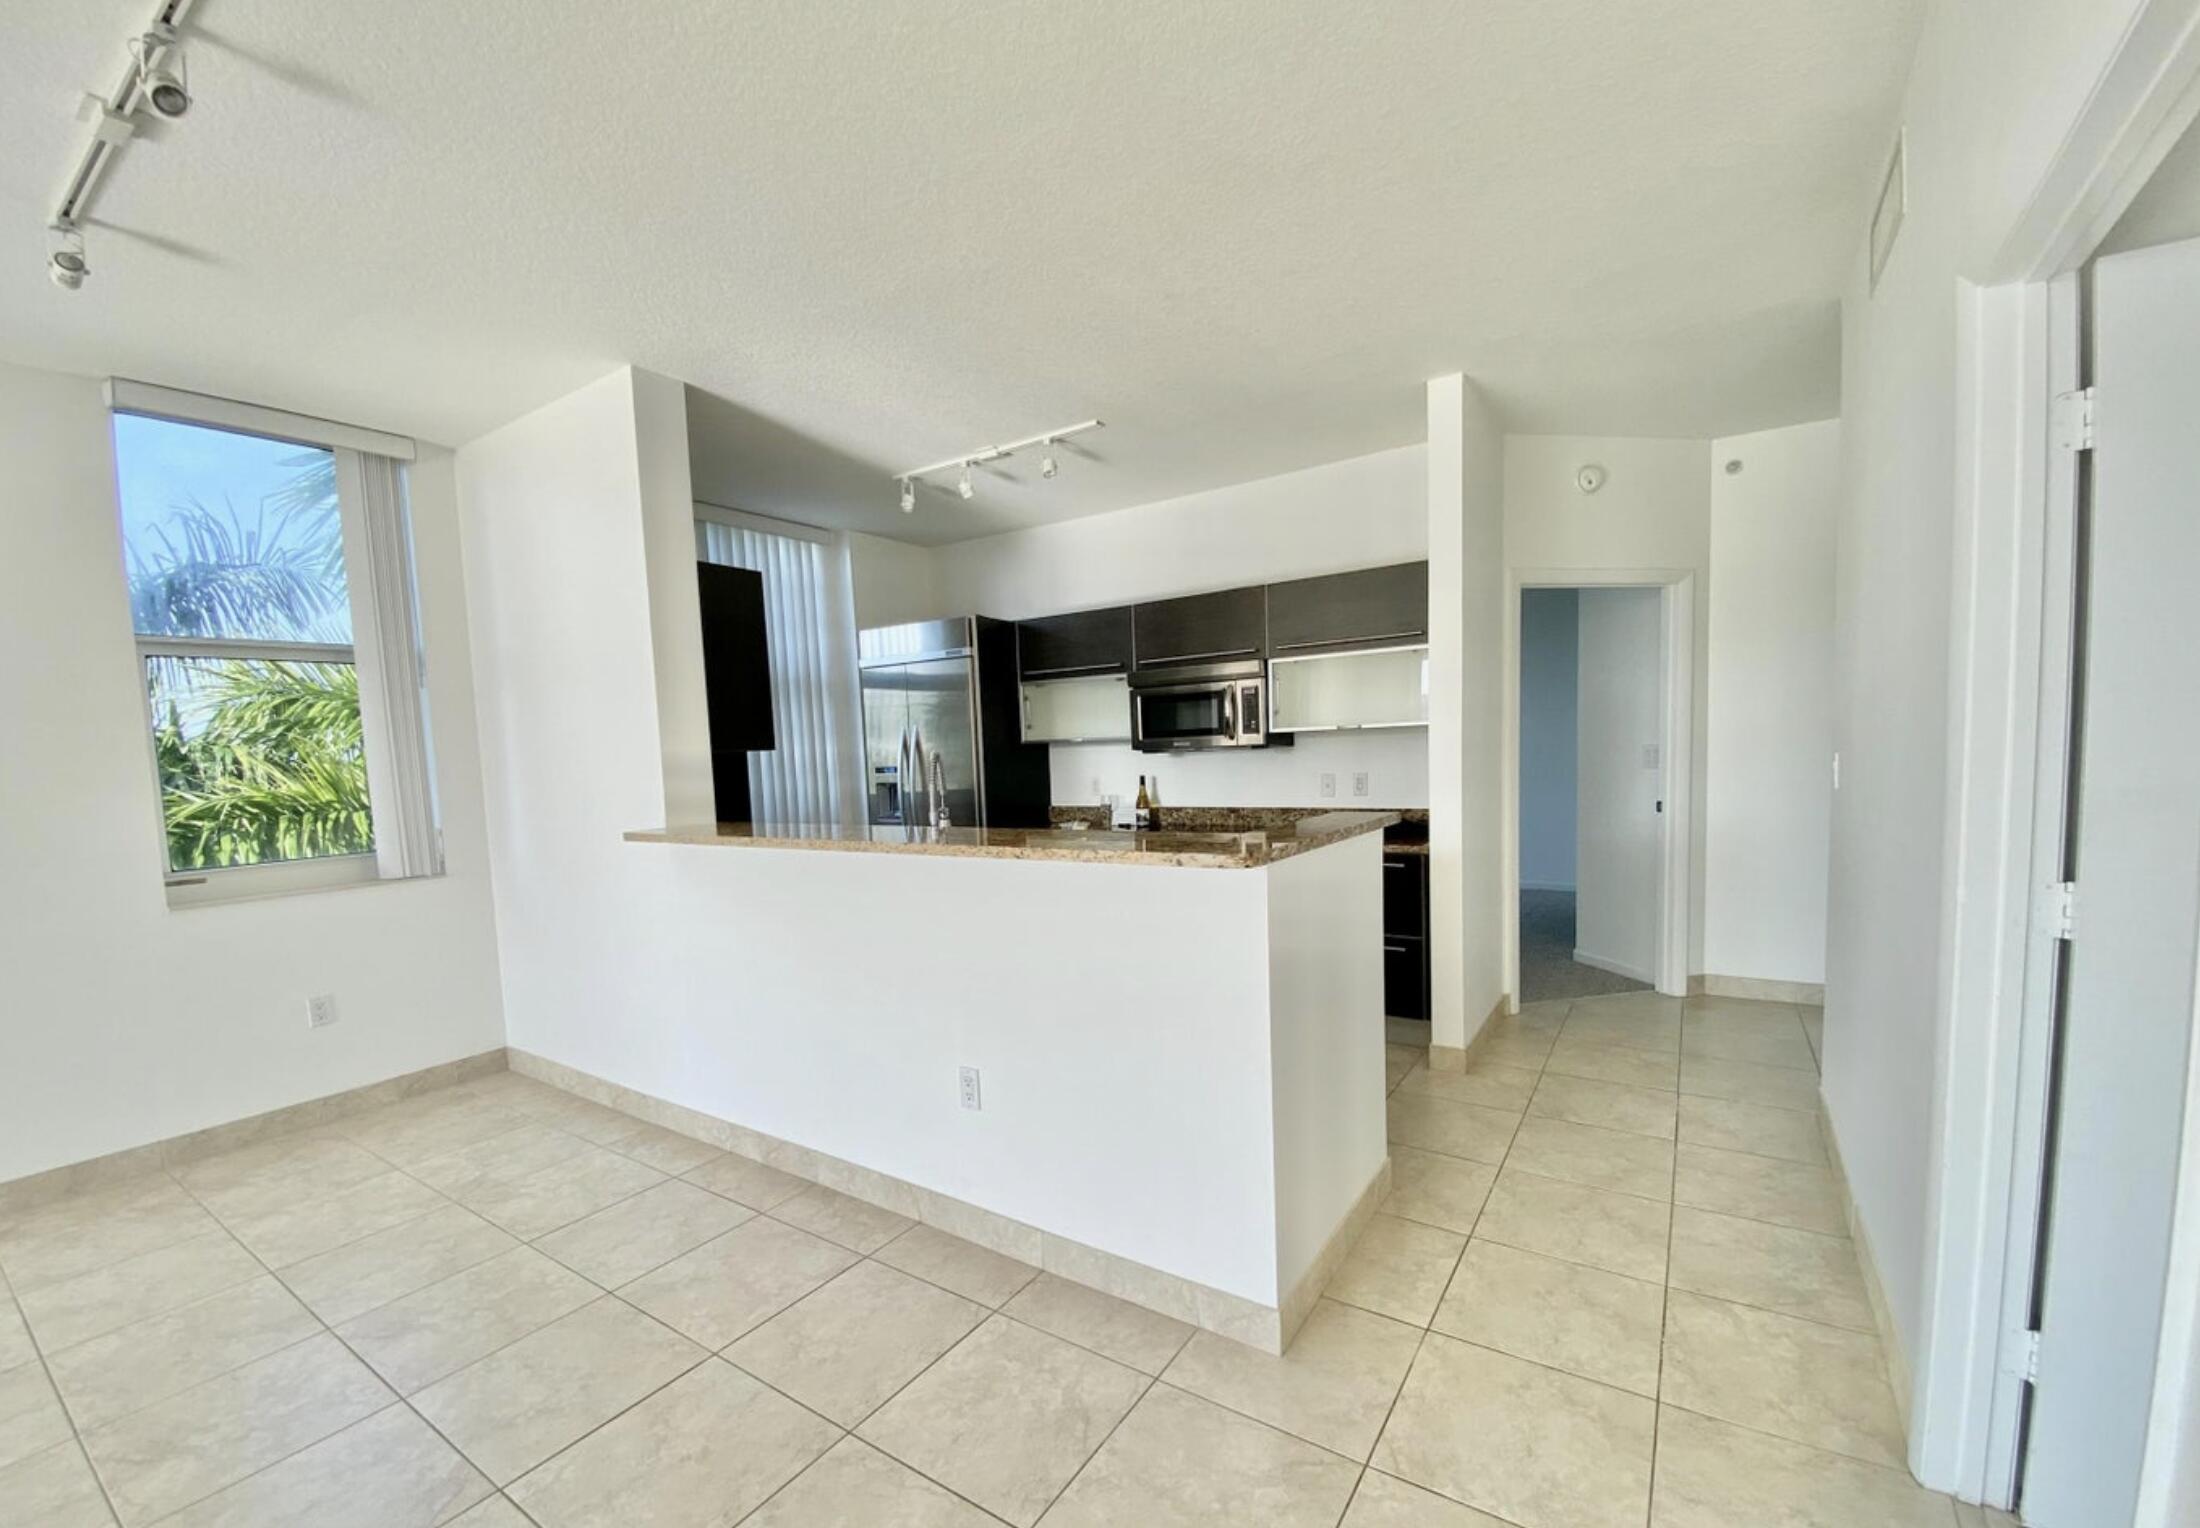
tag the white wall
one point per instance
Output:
(1992, 98)
(1892, 593)
(892, 581)
(1550, 660)
(1619, 856)
(1653, 512)
(1771, 702)
(1364, 512)
(1467, 645)
(125, 1022)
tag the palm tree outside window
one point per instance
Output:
(244, 605)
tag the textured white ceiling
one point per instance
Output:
(881, 231)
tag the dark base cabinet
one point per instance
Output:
(1405, 936)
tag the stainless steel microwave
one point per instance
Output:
(1179, 714)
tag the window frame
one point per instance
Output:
(190, 888)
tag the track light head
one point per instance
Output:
(66, 266)
(1047, 466)
(163, 78)
(908, 497)
(169, 96)
(962, 485)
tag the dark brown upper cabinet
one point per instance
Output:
(1226, 627)
(1072, 646)
(1374, 607)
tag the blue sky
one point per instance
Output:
(160, 464)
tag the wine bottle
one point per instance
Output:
(1144, 817)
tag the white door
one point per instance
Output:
(1619, 875)
(2118, 1097)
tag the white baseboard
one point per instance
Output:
(1759, 989)
(1616, 967)
(1897, 1362)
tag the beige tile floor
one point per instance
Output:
(1609, 1287)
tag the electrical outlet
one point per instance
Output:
(1329, 785)
(1359, 783)
(321, 1010)
(970, 1088)
(1649, 756)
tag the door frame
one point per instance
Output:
(2015, 504)
(1677, 707)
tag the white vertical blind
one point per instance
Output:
(800, 780)
(393, 695)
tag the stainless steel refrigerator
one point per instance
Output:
(941, 734)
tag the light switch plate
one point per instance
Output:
(1359, 782)
(1329, 785)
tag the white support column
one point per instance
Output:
(675, 611)
(1466, 532)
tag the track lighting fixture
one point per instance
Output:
(152, 82)
(1049, 462)
(163, 77)
(67, 265)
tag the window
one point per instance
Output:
(809, 624)
(270, 588)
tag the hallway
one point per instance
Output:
(1548, 970)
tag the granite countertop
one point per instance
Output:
(1407, 834)
(1181, 847)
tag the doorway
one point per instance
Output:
(1591, 822)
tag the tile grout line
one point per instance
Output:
(397, 1397)
(76, 1434)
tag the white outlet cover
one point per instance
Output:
(1329, 784)
(970, 1097)
(1359, 782)
(320, 1011)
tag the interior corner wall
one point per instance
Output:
(126, 1021)
(1466, 550)
(1550, 660)
(1771, 702)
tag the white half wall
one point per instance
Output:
(1769, 758)
(1619, 856)
(1468, 896)
(1550, 664)
(126, 1021)
(794, 993)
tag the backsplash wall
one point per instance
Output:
(1395, 761)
